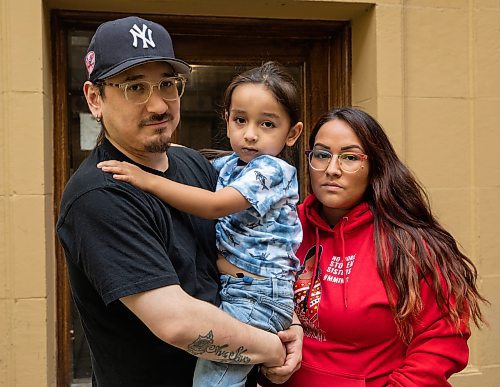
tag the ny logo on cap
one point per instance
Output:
(141, 34)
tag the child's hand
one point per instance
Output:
(130, 173)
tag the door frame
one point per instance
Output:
(323, 48)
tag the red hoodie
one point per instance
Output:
(350, 337)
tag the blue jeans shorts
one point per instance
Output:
(263, 303)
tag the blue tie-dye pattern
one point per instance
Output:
(264, 238)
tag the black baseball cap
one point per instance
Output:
(120, 44)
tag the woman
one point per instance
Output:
(384, 295)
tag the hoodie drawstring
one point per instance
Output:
(307, 301)
(315, 271)
(344, 266)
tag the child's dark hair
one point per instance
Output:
(277, 80)
(283, 87)
(280, 83)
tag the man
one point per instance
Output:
(142, 274)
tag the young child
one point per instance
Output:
(258, 231)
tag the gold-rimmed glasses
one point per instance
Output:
(140, 91)
(349, 162)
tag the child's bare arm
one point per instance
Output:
(193, 200)
(130, 173)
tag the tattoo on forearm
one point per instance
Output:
(205, 344)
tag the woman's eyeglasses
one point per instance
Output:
(349, 162)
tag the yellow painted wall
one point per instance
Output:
(27, 301)
(429, 70)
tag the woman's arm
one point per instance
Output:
(193, 200)
(436, 351)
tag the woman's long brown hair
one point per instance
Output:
(411, 245)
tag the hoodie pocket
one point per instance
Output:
(308, 375)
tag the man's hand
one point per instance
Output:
(292, 338)
(277, 351)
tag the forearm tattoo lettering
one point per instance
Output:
(205, 344)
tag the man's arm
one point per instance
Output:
(202, 329)
(193, 200)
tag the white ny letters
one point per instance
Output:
(141, 34)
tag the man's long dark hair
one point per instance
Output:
(411, 245)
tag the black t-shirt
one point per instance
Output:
(121, 241)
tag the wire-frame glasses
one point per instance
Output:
(349, 162)
(139, 92)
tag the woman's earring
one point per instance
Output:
(98, 119)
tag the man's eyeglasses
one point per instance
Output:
(349, 162)
(139, 92)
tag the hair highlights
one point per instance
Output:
(411, 244)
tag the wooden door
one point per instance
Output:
(317, 53)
